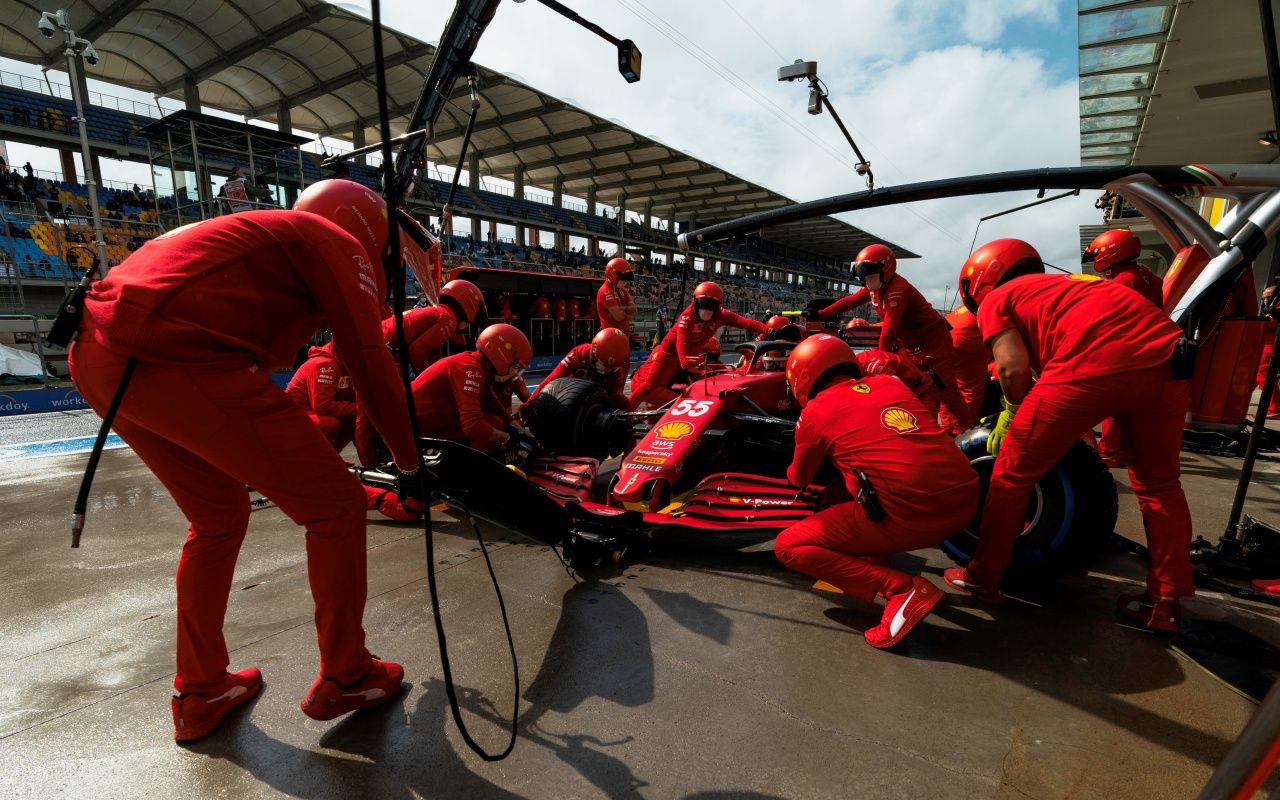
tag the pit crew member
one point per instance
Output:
(323, 389)
(1098, 350)
(604, 360)
(913, 486)
(906, 318)
(204, 313)
(614, 306)
(684, 344)
(878, 362)
(427, 329)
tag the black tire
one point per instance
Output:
(573, 417)
(1071, 515)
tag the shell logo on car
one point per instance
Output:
(674, 430)
(899, 420)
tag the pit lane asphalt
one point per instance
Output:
(703, 672)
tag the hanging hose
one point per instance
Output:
(394, 266)
(86, 483)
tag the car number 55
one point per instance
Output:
(690, 408)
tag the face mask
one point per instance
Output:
(601, 368)
(873, 282)
(706, 314)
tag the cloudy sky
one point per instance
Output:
(929, 89)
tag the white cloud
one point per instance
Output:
(984, 20)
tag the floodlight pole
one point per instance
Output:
(74, 45)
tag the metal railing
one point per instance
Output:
(49, 89)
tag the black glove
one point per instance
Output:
(520, 446)
(409, 486)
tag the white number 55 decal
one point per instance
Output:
(689, 408)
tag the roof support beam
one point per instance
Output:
(269, 37)
(573, 158)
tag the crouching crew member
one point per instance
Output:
(205, 313)
(604, 360)
(972, 371)
(1114, 254)
(906, 318)
(685, 343)
(427, 329)
(913, 486)
(323, 389)
(1099, 350)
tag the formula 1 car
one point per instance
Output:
(713, 462)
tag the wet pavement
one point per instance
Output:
(706, 671)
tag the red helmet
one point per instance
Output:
(617, 268)
(505, 347)
(813, 359)
(776, 323)
(710, 290)
(466, 296)
(1113, 247)
(857, 322)
(713, 346)
(574, 308)
(357, 209)
(540, 308)
(612, 348)
(560, 309)
(876, 258)
(994, 263)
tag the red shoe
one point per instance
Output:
(902, 612)
(1162, 614)
(959, 578)
(327, 699)
(1269, 585)
(195, 716)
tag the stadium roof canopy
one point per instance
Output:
(1163, 82)
(259, 57)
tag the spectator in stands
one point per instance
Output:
(21, 116)
(236, 192)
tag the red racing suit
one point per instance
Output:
(972, 370)
(579, 363)
(1100, 350)
(907, 320)
(1273, 407)
(425, 329)
(684, 342)
(923, 481)
(1111, 444)
(610, 296)
(207, 311)
(323, 389)
(454, 399)
(878, 362)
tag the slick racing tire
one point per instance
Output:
(1070, 516)
(574, 417)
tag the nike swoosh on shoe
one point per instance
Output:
(367, 694)
(230, 694)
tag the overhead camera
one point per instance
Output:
(46, 25)
(800, 70)
(90, 55)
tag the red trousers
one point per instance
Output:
(971, 384)
(1273, 403)
(652, 379)
(206, 434)
(943, 362)
(1150, 409)
(339, 431)
(841, 546)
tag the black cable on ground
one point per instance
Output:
(393, 264)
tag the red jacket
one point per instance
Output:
(688, 337)
(579, 363)
(906, 318)
(425, 330)
(246, 290)
(322, 386)
(1141, 280)
(877, 425)
(609, 296)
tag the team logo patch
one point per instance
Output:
(862, 388)
(674, 430)
(1080, 276)
(899, 420)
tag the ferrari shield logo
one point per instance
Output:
(862, 388)
(899, 420)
